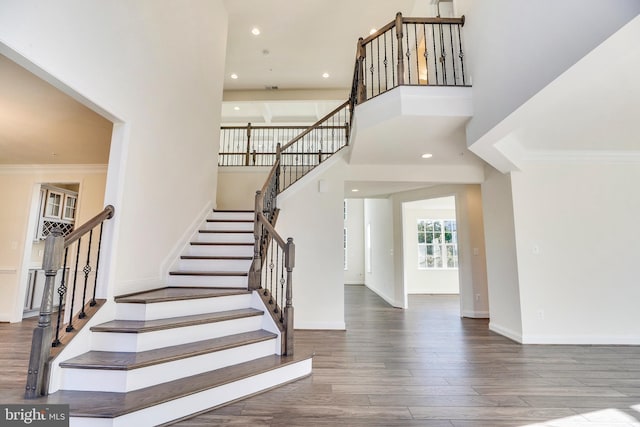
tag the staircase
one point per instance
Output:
(202, 342)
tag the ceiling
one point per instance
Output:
(41, 125)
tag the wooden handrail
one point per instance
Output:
(392, 24)
(272, 172)
(272, 231)
(107, 213)
(316, 125)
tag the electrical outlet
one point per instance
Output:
(541, 314)
(477, 297)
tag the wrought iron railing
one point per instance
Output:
(411, 51)
(76, 255)
(253, 145)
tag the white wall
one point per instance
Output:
(578, 240)
(516, 47)
(379, 249)
(423, 281)
(354, 274)
(315, 221)
(237, 186)
(502, 267)
(156, 68)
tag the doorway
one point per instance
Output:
(430, 247)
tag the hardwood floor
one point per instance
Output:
(426, 366)
(418, 367)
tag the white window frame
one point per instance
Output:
(67, 201)
(60, 206)
(446, 251)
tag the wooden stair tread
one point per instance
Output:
(208, 273)
(109, 360)
(140, 326)
(178, 294)
(226, 231)
(111, 405)
(229, 220)
(234, 210)
(222, 243)
(231, 258)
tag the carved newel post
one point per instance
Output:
(41, 342)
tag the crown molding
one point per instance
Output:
(51, 168)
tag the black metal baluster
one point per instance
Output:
(276, 247)
(86, 270)
(282, 281)
(415, 35)
(453, 57)
(62, 290)
(435, 54)
(73, 291)
(461, 55)
(386, 63)
(378, 57)
(394, 39)
(408, 53)
(271, 266)
(95, 283)
(443, 55)
(371, 68)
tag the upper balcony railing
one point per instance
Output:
(410, 51)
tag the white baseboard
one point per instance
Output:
(177, 250)
(475, 314)
(389, 300)
(354, 282)
(338, 326)
(517, 337)
(581, 339)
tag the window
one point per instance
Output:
(437, 244)
(69, 207)
(54, 204)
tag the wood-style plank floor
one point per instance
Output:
(426, 366)
(418, 367)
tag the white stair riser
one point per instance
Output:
(208, 281)
(229, 225)
(220, 250)
(161, 310)
(120, 381)
(230, 216)
(118, 341)
(214, 265)
(225, 237)
(198, 402)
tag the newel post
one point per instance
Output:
(400, 35)
(248, 152)
(41, 341)
(255, 275)
(289, 263)
(361, 94)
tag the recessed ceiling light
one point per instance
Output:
(234, 76)
(325, 75)
(427, 155)
(355, 190)
(373, 30)
(255, 31)
(236, 108)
